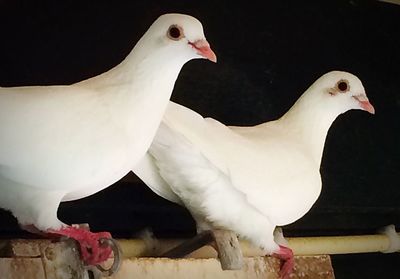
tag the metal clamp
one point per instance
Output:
(117, 251)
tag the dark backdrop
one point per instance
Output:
(267, 56)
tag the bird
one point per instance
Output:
(252, 179)
(65, 142)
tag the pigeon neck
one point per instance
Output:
(145, 78)
(145, 62)
(137, 91)
(309, 120)
(148, 79)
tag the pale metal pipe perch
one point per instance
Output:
(386, 242)
(338, 244)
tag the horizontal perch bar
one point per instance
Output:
(300, 245)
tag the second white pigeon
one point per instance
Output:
(250, 179)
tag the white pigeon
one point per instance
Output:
(250, 179)
(60, 143)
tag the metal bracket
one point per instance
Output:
(224, 242)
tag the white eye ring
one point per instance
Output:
(175, 32)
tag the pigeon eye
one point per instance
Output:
(343, 86)
(175, 32)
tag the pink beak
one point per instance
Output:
(364, 103)
(203, 48)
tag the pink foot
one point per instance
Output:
(92, 252)
(285, 254)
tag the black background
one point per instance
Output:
(267, 56)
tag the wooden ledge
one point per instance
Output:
(45, 259)
(311, 267)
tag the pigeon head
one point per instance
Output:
(343, 91)
(313, 113)
(179, 36)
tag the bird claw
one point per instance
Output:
(117, 251)
(95, 248)
(285, 254)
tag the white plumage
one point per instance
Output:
(61, 143)
(249, 179)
